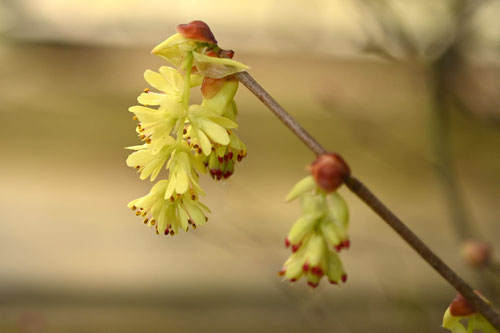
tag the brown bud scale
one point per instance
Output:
(330, 171)
(197, 30)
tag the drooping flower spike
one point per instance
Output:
(321, 231)
(185, 139)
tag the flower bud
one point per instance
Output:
(197, 30)
(330, 171)
(460, 308)
(476, 253)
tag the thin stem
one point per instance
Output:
(377, 206)
(252, 85)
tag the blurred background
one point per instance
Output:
(407, 91)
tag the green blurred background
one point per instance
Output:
(407, 91)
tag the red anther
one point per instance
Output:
(205, 164)
(330, 171)
(295, 247)
(460, 308)
(287, 242)
(166, 232)
(210, 87)
(220, 158)
(293, 280)
(230, 155)
(197, 30)
(346, 244)
(333, 282)
(226, 54)
(338, 247)
(317, 271)
(240, 157)
(305, 267)
(312, 284)
(227, 174)
(282, 272)
(344, 278)
(226, 157)
(171, 232)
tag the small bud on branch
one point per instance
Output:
(330, 171)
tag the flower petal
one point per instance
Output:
(156, 80)
(217, 67)
(216, 132)
(304, 185)
(205, 144)
(149, 98)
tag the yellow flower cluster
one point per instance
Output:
(186, 139)
(317, 236)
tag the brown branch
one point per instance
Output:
(377, 206)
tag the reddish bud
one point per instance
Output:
(197, 30)
(210, 87)
(476, 253)
(460, 308)
(344, 278)
(330, 171)
(287, 242)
